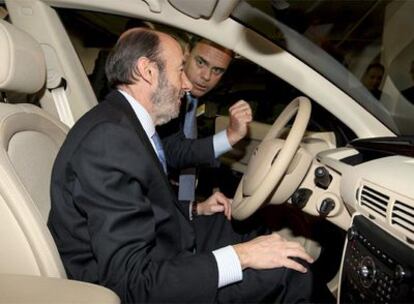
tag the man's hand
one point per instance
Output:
(240, 116)
(218, 202)
(271, 251)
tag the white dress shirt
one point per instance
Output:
(221, 143)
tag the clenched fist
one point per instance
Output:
(218, 202)
(240, 116)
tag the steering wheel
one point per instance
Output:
(270, 161)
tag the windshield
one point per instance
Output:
(364, 47)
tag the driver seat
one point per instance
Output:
(29, 141)
(30, 266)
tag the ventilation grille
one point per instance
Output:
(374, 200)
(403, 216)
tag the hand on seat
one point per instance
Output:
(218, 202)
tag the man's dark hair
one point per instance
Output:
(375, 65)
(194, 40)
(120, 66)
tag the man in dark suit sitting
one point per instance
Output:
(115, 219)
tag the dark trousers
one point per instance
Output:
(258, 286)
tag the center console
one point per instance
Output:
(377, 268)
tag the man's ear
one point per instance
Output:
(147, 70)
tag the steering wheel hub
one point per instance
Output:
(260, 166)
(270, 161)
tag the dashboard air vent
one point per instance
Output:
(374, 200)
(403, 216)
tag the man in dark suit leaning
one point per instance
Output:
(115, 219)
(205, 64)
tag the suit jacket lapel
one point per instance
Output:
(119, 102)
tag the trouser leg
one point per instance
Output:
(271, 286)
(280, 285)
(215, 231)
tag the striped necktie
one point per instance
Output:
(160, 151)
(186, 190)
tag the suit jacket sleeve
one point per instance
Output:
(114, 179)
(184, 153)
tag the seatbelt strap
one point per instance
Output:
(62, 104)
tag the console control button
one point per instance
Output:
(322, 177)
(401, 273)
(300, 197)
(367, 271)
(352, 234)
(326, 206)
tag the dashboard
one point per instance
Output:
(367, 188)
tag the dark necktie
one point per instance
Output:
(186, 190)
(160, 150)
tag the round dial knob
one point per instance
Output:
(367, 271)
(322, 177)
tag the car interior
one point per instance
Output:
(329, 168)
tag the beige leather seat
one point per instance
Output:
(29, 141)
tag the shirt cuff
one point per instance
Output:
(229, 268)
(221, 143)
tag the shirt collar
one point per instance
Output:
(142, 114)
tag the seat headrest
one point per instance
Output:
(22, 64)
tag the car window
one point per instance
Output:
(266, 93)
(373, 52)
